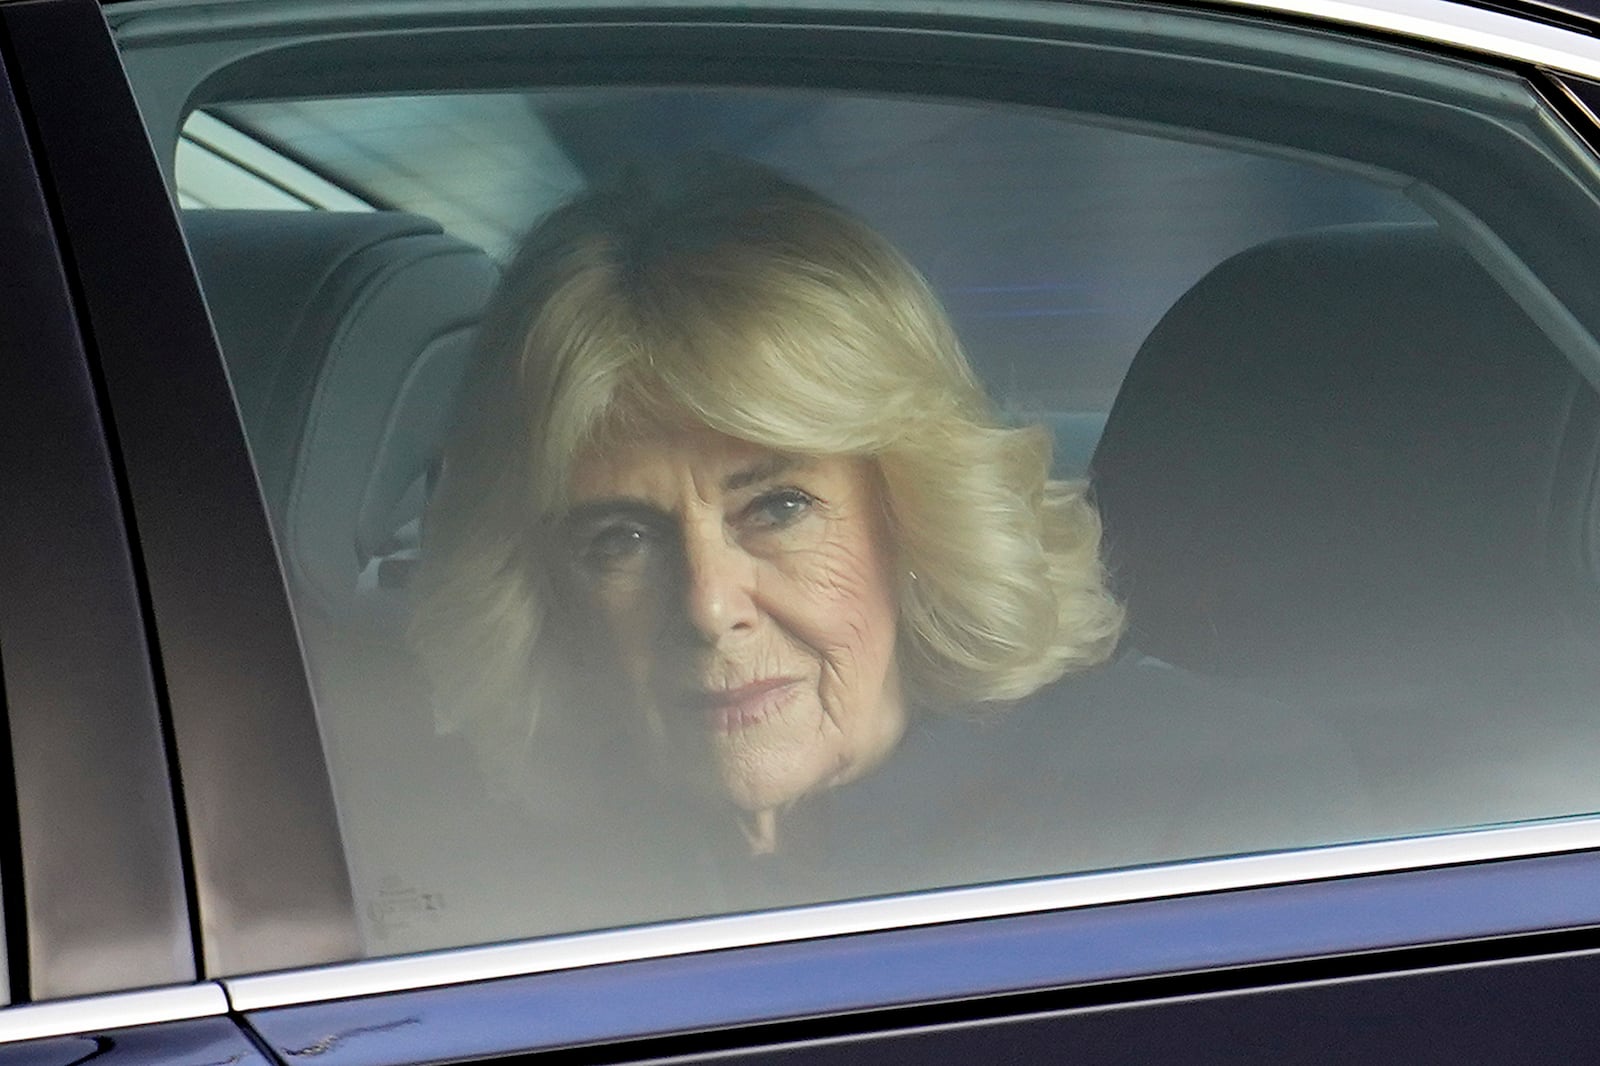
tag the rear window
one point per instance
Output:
(701, 499)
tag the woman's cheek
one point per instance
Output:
(844, 570)
(841, 609)
(631, 627)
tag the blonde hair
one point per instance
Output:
(720, 294)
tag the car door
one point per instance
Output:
(1412, 946)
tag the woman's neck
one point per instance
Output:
(760, 830)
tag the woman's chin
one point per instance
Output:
(753, 793)
(764, 765)
(743, 787)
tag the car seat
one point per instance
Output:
(1347, 468)
(346, 336)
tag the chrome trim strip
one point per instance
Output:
(898, 912)
(1457, 25)
(1578, 102)
(117, 1010)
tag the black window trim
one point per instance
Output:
(1470, 27)
(102, 902)
(267, 866)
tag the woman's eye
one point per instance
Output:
(614, 548)
(777, 509)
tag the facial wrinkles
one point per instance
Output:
(838, 578)
(833, 573)
(808, 603)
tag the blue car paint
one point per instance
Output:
(789, 981)
(198, 1042)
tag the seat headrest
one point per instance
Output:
(1350, 451)
(345, 335)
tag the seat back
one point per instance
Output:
(1348, 468)
(346, 336)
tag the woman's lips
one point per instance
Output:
(738, 708)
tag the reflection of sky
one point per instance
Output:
(1056, 246)
(1037, 300)
(481, 165)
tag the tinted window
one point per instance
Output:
(692, 499)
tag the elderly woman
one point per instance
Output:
(728, 518)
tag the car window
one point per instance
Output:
(725, 492)
(218, 166)
(1042, 259)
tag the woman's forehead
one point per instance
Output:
(667, 468)
(721, 461)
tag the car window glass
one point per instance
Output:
(699, 500)
(219, 166)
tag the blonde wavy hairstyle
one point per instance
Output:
(717, 293)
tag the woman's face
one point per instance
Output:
(749, 598)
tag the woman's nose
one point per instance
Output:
(719, 580)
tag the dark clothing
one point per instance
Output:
(1130, 764)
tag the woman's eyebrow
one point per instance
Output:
(759, 471)
(616, 507)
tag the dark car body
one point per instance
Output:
(174, 884)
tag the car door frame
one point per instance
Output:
(269, 879)
(95, 885)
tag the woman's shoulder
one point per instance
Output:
(1132, 763)
(1161, 763)
(1145, 709)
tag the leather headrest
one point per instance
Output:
(345, 335)
(1350, 451)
